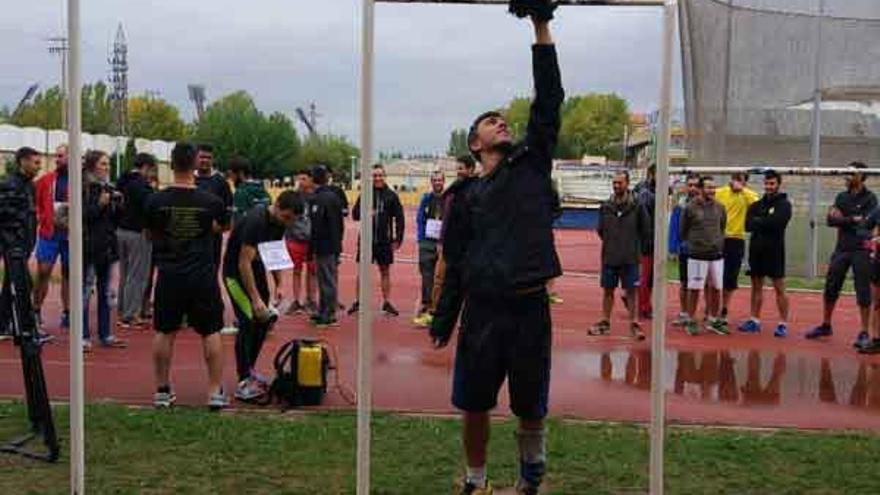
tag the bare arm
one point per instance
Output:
(245, 258)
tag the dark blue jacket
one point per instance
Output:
(430, 207)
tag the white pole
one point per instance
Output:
(365, 289)
(75, 198)
(661, 218)
(813, 246)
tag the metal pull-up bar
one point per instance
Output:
(582, 3)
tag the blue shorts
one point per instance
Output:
(48, 251)
(625, 276)
(504, 339)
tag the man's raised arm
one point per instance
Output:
(544, 119)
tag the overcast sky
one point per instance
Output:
(437, 65)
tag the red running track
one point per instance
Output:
(753, 380)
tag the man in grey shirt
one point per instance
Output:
(702, 227)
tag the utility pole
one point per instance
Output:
(58, 46)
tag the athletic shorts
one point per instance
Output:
(766, 263)
(504, 338)
(734, 252)
(49, 250)
(624, 276)
(383, 254)
(841, 261)
(195, 299)
(299, 253)
(683, 269)
(702, 271)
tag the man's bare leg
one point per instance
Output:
(475, 437)
(41, 285)
(782, 303)
(65, 289)
(713, 297)
(297, 283)
(757, 297)
(385, 274)
(693, 297)
(631, 305)
(212, 346)
(608, 303)
(311, 286)
(163, 351)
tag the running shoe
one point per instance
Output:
(872, 347)
(389, 309)
(87, 346)
(295, 308)
(218, 401)
(555, 299)
(525, 488)
(422, 320)
(681, 320)
(310, 307)
(114, 343)
(692, 327)
(750, 326)
(719, 326)
(823, 330)
(164, 400)
(781, 331)
(44, 338)
(249, 390)
(862, 340)
(471, 489)
(355, 307)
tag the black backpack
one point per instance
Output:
(300, 373)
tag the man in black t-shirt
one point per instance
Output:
(182, 221)
(245, 278)
(212, 181)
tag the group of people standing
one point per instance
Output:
(709, 227)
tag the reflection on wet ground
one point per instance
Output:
(749, 378)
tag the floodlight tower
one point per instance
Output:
(197, 97)
(58, 46)
(119, 82)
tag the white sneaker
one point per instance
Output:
(164, 400)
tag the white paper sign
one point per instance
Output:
(433, 228)
(275, 256)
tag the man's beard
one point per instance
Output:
(503, 147)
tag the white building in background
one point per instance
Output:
(14, 137)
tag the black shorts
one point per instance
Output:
(766, 262)
(504, 338)
(841, 261)
(734, 252)
(197, 299)
(383, 254)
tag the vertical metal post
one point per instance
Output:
(661, 224)
(365, 288)
(75, 199)
(816, 148)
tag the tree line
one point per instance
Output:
(232, 124)
(592, 124)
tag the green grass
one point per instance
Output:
(192, 451)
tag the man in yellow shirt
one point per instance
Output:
(736, 199)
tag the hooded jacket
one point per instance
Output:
(767, 220)
(136, 190)
(702, 227)
(502, 226)
(388, 219)
(248, 194)
(430, 208)
(623, 228)
(325, 214)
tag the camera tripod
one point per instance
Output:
(16, 299)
